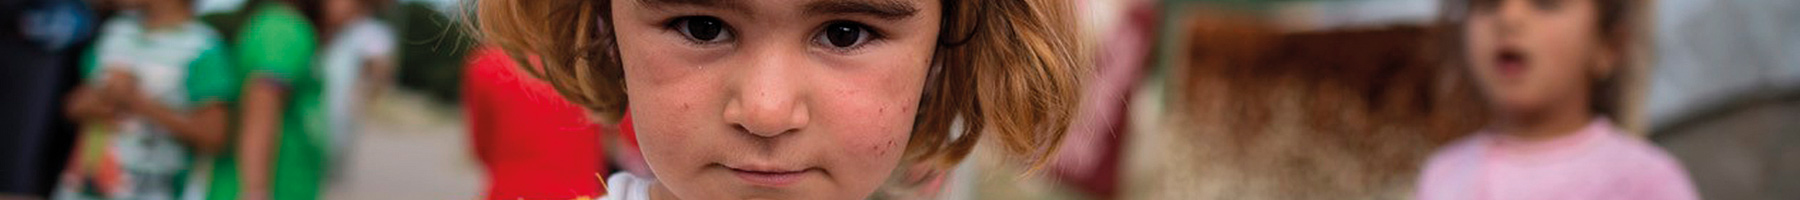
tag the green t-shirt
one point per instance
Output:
(276, 45)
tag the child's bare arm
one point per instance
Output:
(377, 72)
(85, 104)
(262, 105)
(94, 101)
(202, 129)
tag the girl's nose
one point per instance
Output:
(769, 93)
(765, 114)
(1510, 14)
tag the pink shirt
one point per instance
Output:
(1597, 162)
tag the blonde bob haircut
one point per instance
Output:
(1010, 68)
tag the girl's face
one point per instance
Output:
(1530, 53)
(777, 99)
(339, 12)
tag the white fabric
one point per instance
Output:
(624, 186)
(342, 63)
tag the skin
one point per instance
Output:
(339, 13)
(376, 72)
(772, 96)
(1562, 53)
(262, 106)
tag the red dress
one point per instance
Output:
(534, 144)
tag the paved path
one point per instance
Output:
(409, 149)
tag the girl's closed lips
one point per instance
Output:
(770, 175)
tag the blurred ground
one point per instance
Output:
(410, 148)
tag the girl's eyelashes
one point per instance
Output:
(840, 35)
(844, 35)
(1491, 5)
(701, 29)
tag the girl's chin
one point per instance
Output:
(1517, 106)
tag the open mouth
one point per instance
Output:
(1510, 62)
(769, 176)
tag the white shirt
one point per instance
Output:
(342, 64)
(624, 186)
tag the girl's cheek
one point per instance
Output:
(1477, 48)
(874, 117)
(891, 137)
(879, 102)
(875, 132)
(877, 146)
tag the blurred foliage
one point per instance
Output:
(226, 23)
(431, 49)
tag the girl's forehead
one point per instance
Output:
(886, 9)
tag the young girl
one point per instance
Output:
(803, 99)
(1552, 71)
(279, 147)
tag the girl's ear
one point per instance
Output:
(1605, 62)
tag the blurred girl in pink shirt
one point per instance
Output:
(1556, 74)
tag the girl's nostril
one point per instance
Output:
(740, 128)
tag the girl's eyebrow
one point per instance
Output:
(738, 6)
(884, 9)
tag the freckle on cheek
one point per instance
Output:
(881, 149)
(890, 146)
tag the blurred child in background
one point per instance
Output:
(280, 150)
(1556, 74)
(155, 101)
(356, 63)
(1090, 156)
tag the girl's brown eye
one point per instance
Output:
(703, 29)
(844, 34)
